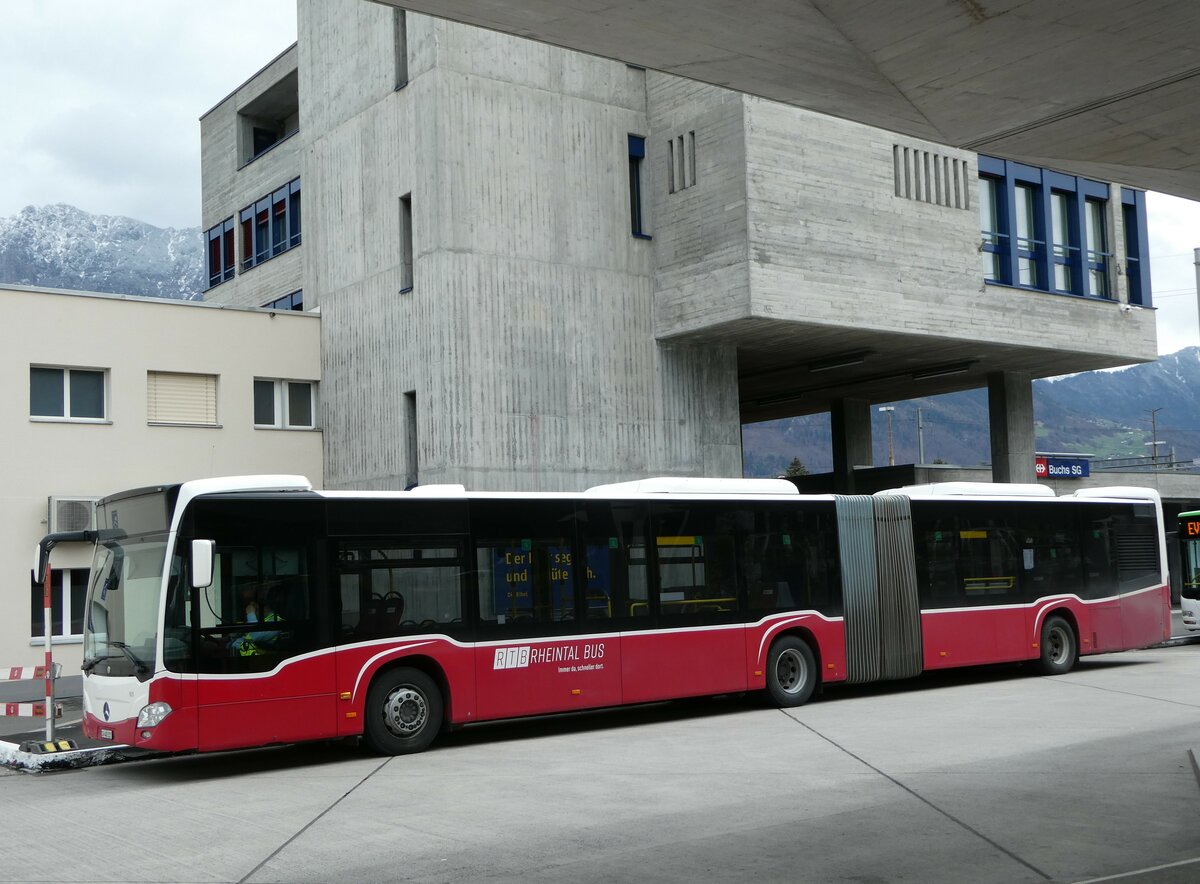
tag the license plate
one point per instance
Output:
(106, 733)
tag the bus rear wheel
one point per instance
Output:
(1058, 647)
(791, 672)
(404, 712)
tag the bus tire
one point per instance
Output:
(404, 712)
(791, 672)
(1058, 646)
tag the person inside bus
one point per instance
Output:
(262, 640)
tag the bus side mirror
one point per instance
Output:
(202, 563)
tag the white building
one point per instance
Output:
(104, 393)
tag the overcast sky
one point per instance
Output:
(100, 103)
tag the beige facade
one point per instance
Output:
(173, 382)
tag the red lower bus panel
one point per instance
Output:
(658, 665)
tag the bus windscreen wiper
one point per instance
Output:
(138, 663)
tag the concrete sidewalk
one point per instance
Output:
(985, 775)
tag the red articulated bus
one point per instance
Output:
(230, 613)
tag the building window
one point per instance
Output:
(1097, 248)
(1137, 269)
(271, 118)
(66, 393)
(681, 162)
(1030, 242)
(220, 252)
(993, 243)
(284, 404)
(406, 243)
(400, 44)
(1059, 229)
(1063, 239)
(637, 153)
(68, 588)
(271, 226)
(294, 301)
(412, 463)
(178, 398)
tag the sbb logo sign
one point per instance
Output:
(1061, 468)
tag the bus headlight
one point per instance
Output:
(153, 715)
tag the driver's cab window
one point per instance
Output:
(258, 601)
(258, 610)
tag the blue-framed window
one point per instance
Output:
(1137, 267)
(637, 155)
(1030, 235)
(271, 225)
(1044, 230)
(220, 252)
(294, 301)
(1096, 246)
(1064, 240)
(992, 224)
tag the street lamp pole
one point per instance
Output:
(920, 438)
(888, 409)
(1154, 436)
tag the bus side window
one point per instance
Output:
(935, 543)
(525, 580)
(393, 586)
(990, 559)
(612, 535)
(774, 566)
(598, 584)
(697, 568)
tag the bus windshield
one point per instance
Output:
(121, 626)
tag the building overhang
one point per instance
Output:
(789, 368)
(1111, 91)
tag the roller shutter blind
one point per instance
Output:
(177, 398)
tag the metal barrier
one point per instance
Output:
(33, 709)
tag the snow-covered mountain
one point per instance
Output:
(63, 247)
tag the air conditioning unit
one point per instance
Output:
(71, 514)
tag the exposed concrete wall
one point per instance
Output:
(1010, 412)
(702, 274)
(845, 230)
(229, 184)
(74, 458)
(349, 59)
(263, 283)
(850, 423)
(527, 337)
(831, 242)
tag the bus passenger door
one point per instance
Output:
(259, 680)
(544, 637)
(697, 644)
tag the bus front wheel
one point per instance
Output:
(1057, 646)
(791, 672)
(404, 712)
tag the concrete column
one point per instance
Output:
(1010, 410)
(850, 422)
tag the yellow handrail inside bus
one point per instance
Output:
(984, 584)
(708, 604)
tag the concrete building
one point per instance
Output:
(542, 269)
(105, 393)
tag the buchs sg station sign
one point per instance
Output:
(1061, 468)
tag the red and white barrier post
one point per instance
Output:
(48, 632)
